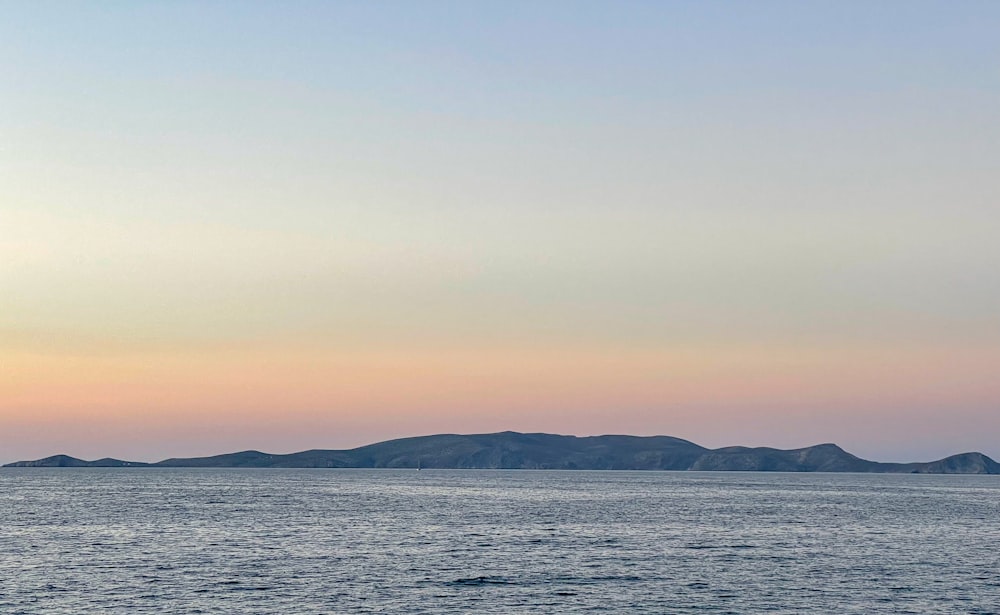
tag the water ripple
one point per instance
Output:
(374, 541)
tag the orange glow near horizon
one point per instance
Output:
(301, 397)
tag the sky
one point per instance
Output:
(293, 225)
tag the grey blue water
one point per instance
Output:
(389, 541)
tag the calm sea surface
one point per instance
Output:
(371, 541)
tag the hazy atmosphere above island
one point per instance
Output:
(318, 225)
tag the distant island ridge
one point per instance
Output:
(541, 451)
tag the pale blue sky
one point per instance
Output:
(647, 176)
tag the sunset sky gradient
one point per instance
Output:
(296, 225)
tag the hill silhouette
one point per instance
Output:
(541, 451)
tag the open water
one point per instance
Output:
(434, 541)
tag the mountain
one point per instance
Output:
(501, 450)
(819, 458)
(540, 451)
(964, 463)
(65, 461)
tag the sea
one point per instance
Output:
(127, 540)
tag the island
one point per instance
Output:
(541, 451)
